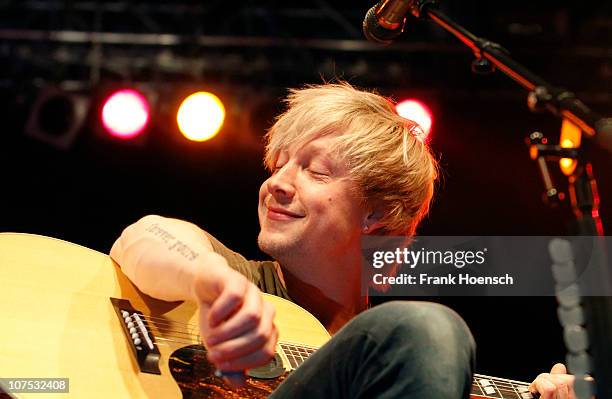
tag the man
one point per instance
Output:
(344, 164)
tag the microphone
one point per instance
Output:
(387, 19)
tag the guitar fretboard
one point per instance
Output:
(485, 386)
(296, 354)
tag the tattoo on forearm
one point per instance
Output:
(161, 233)
(172, 242)
(184, 250)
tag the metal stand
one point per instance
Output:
(586, 320)
(582, 187)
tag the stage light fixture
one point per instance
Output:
(125, 113)
(418, 112)
(571, 136)
(200, 116)
(57, 116)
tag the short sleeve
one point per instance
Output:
(264, 274)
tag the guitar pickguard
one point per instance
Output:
(196, 378)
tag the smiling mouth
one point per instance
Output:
(276, 213)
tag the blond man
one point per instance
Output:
(343, 164)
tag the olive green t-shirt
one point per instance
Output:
(264, 273)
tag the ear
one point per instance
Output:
(372, 220)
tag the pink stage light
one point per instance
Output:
(125, 114)
(418, 112)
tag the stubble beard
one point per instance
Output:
(283, 249)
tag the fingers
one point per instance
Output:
(231, 299)
(243, 319)
(545, 387)
(558, 368)
(248, 339)
(237, 343)
(254, 359)
(554, 385)
(236, 324)
(238, 327)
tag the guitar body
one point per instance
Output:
(62, 308)
(58, 321)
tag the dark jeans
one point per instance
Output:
(395, 350)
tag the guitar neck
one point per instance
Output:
(484, 386)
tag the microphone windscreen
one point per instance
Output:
(376, 33)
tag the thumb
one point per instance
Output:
(204, 309)
(558, 368)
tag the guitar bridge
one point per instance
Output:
(139, 336)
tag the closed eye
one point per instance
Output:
(319, 175)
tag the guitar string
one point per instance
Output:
(501, 383)
(165, 328)
(488, 377)
(509, 385)
(184, 339)
(169, 326)
(502, 394)
(299, 357)
(158, 321)
(163, 323)
(187, 342)
(166, 322)
(497, 379)
(183, 333)
(501, 389)
(505, 392)
(500, 386)
(178, 334)
(183, 349)
(163, 319)
(296, 356)
(510, 388)
(299, 345)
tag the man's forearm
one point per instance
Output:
(161, 256)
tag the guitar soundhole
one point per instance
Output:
(196, 378)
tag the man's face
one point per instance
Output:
(309, 206)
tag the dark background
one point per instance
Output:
(250, 52)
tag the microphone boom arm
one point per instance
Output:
(558, 101)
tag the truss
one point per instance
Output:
(282, 43)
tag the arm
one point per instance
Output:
(174, 260)
(161, 256)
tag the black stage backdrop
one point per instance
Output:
(489, 186)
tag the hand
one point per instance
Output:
(236, 324)
(554, 385)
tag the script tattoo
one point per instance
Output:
(184, 250)
(172, 242)
(159, 232)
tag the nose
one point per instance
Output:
(281, 184)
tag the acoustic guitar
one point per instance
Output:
(69, 312)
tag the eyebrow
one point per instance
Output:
(322, 153)
(316, 151)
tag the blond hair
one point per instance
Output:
(391, 165)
